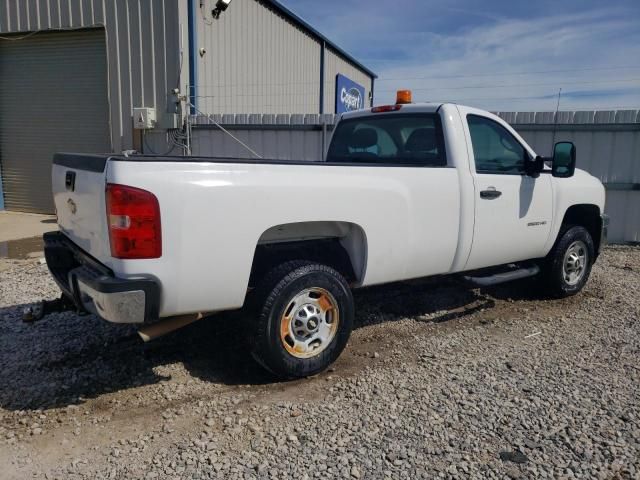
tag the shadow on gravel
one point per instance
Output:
(434, 300)
(66, 359)
(429, 300)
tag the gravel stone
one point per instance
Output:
(459, 389)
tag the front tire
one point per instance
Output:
(305, 317)
(568, 266)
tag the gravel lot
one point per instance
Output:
(439, 381)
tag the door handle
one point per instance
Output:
(490, 194)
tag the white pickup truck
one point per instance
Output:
(406, 191)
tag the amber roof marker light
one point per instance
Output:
(404, 97)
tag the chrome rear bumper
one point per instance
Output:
(93, 287)
(118, 307)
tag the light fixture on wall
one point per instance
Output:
(221, 6)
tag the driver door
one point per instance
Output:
(513, 211)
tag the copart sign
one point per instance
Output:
(349, 95)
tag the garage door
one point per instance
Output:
(53, 98)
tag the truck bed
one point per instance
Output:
(215, 211)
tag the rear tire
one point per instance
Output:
(567, 268)
(304, 319)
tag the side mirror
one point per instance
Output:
(534, 167)
(564, 160)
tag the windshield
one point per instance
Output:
(412, 139)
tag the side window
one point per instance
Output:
(494, 148)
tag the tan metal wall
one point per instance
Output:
(256, 61)
(335, 64)
(259, 61)
(143, 38)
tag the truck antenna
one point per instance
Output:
(555, 121)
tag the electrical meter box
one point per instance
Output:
(144, 118)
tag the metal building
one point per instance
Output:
(72, 72)
(259, 57)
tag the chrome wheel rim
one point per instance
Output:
(309, 323)
(575, 263)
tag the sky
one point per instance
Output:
(498, 55)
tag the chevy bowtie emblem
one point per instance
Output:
(72, 206)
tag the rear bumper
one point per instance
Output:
(93, 287)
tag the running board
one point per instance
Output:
(498, 278)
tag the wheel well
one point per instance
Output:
(587, 216)
(339, 245)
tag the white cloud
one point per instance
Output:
(575, 49)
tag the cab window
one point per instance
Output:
(495, 149)
(400, 139)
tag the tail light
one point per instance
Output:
(134, 223)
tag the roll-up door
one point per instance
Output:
(53, 98)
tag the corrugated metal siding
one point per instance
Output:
(1, 189)
(142, 47)
(622, 207)
(608, 142)
(282, 144)
(281, 136)
(51, 70)
(335, 64)
(257, 61)
(612, 156)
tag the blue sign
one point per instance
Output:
(349, 95)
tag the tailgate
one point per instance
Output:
(78, 183)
